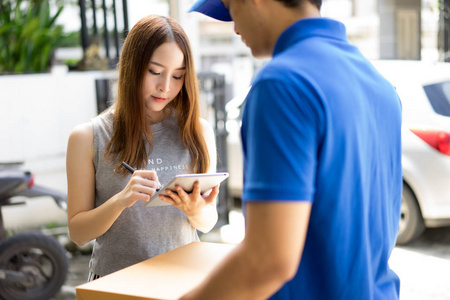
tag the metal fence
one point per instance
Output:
(109, 9)
(212, 89)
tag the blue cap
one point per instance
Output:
(212, 8)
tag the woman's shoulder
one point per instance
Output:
(208, 131)
(206, 125)
(82, 133)
(103, 124)
(86, 130)
(83, 128)
(104, 117)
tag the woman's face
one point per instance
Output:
(163, 79)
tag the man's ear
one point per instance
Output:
(260, 3)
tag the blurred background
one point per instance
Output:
(58, 69)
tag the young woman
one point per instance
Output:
(154, 126)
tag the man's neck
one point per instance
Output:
(282, 17)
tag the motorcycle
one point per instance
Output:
(32, 265)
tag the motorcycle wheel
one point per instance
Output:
(41, 258)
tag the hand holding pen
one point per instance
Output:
(141, 186)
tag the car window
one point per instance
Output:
(439, 96)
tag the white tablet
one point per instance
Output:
(186, 181)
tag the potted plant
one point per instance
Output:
(28, 35)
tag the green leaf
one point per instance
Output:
(44, 14)
(53, 20)
(4, 30)
(28, 35)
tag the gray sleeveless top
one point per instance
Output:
(140, 232)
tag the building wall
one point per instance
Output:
(38, 113)
(400, 29)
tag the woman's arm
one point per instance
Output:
(205, 219)
(87, 222)
(201, 211)
(208, 217)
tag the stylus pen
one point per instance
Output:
(130, 169)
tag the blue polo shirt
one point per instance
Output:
(321, 125)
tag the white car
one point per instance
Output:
(424, 89)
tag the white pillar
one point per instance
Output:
(189, 22)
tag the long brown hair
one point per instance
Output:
(131, 126)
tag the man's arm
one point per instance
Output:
(268, 256)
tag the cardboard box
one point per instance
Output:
(167, 276)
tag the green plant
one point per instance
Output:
(51, 225)
(71, 61)
(70, 39)
(28, 35)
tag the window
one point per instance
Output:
(439, 96)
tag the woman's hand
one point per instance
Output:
(193, 203)
(141, 186)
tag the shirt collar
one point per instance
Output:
(309, 27)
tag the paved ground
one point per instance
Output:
(78, 272)
(423, 266)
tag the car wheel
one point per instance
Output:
(411, 223)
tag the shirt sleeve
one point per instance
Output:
(281, 132)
